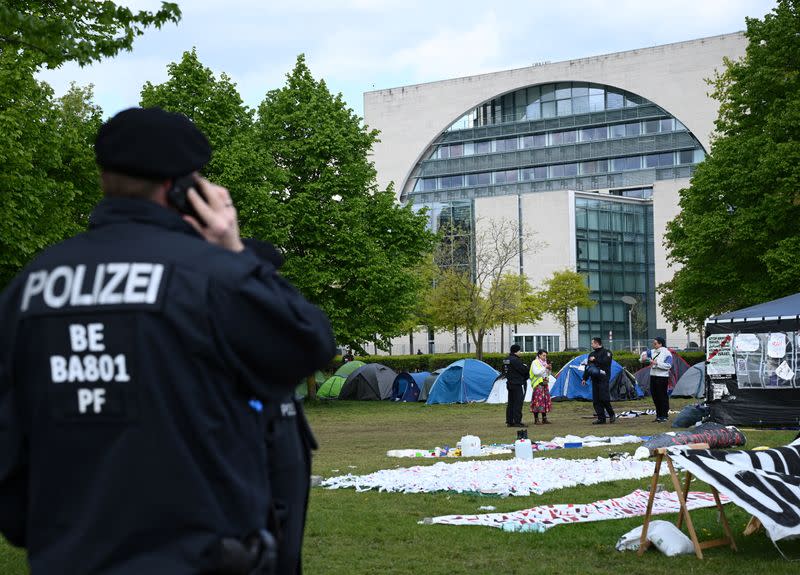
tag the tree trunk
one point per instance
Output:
(311, 382)
(566, 330)
(478, 345)
(502, 337)
(411, 342)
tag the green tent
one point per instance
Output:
(333, 385)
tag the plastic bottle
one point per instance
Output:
(523, 449)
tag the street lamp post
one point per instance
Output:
(631, 301)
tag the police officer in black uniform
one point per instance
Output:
(516, 373)
(601, 394)
(138, 362)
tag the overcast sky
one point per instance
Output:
(362, 45)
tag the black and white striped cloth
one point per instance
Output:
(765, 483)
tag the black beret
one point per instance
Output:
(151, 143)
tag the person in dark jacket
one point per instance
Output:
(599, 369)
(136, 361)
(516, 373)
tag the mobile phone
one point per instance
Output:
(177, 198)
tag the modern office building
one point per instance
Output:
(586, 157)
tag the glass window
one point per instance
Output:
(564, 107)
(428, 184)
(482, 179)
(632, 100)
(580, 105)
(506, 177)
(596, 102)
(483, 147)
(570, 169)
(469, 148)
(630, 163)
(657, 160)
(444, 152)
(651, 127)
(534, 141)
(614, 100)
(449, 182)
(548, 109)
(632, 129)
(548, 92)
(579, 89)
(557, 171)
(593, 134)
(618, 131)
(456, 150)
(506, 145)
(540, 172)
(563, 90)
(583, 246)
(666, 125)
(685, 156)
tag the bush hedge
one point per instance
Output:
(432, 362)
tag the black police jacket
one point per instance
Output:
(515, 371)
(134, 361)
(602, 359)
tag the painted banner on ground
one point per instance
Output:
(546, 516)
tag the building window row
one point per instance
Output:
(572, 169)
(533, 343)
(548, 101)
(557, 138)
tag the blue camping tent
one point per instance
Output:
(568, 382)
(463, 381)
(406, 386)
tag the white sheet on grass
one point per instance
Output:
(547, 516)
(503, 477)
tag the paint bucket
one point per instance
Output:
(523, 449)
(470, 446)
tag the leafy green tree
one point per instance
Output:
(214, 105)
(349, 246)
(736, 240)
(48, 179)
(490, 293)
(56, 31)
(563, 292)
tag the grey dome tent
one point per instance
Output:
(428, 384)
(755, 394)
(692, 383)
(369, 382)
(332, 386)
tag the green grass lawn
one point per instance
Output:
(374, 532)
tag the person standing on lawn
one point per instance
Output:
(540, 377)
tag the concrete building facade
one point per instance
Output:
(586, 156)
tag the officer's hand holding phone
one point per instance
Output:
(219, 222)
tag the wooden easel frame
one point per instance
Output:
(683, 492)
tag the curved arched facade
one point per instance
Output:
(566, 135)
(590, 154)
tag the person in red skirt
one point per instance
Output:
(540, 376)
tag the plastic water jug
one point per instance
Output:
(523, 449)
(470, 446)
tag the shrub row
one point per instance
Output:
(432, 362)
